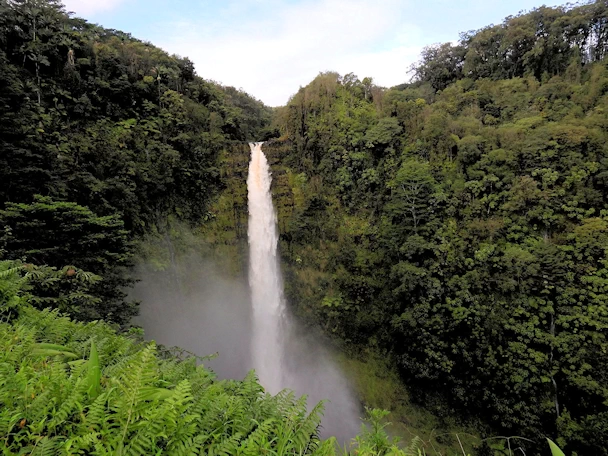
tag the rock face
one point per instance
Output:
(226, 231)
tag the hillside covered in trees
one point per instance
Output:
(103, 139)
(458, 223)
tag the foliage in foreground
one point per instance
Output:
(81, 388)
(75, 388)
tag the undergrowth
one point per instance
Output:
(70, 388)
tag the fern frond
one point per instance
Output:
(8, 273)
(47, 446)
(415, 448)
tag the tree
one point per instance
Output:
(60, 234)
(440, 65)
(415, 195)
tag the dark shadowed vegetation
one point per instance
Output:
(103, 138)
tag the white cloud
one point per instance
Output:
(86, 8)
(271, 56)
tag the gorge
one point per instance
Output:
(437, 249)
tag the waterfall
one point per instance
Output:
(282, 354)
(265, 279)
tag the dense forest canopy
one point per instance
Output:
(458, 222)
(542, 43)
(105, 137)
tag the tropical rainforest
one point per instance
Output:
(455, 225)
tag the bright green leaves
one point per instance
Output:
(555, 451)
(124, 399)
(93, 372)
(46, 350)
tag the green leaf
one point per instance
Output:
(155, 394)
(94, 373)
(51, 347)
(53, 350)
(555, 451)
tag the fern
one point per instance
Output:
(415, 448)
(71, 404)
(74, 388)
(46, 447)
(10, 272)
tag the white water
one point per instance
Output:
(282, 354)
(265, 279)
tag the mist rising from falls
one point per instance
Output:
(265, 281)
(193, 303)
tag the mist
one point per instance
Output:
(310, 369)
(196, 307)
(193, 307)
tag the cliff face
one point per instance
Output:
(307, 261)
(304, 264)
(225, 229)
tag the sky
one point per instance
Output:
(271, 48)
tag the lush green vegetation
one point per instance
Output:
(72, 388)
(458, 223)
(116, 137)
(377, 385)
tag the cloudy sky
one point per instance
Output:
(270, 48)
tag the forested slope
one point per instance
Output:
(103, 139)
(459, 223)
